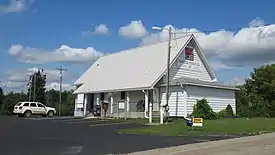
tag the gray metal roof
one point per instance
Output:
(196, 82)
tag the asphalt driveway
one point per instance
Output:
(78, 136)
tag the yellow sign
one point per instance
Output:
(197, 122)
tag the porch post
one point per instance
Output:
(128, 101)
(146, 103)
(112, 103)
(150, 107)
(85, 104)
(97, 98)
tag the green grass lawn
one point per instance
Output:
(229, 126)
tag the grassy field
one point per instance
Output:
(228, 126)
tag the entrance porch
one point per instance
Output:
(129, 104)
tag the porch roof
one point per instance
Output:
(196, 82)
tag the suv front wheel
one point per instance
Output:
(50, 114)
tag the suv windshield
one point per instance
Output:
(18, 103)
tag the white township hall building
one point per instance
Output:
(133, 81)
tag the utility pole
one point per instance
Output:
(30, 87)
(168, 69)
(34, 85)
(61, 69)
(167, 73)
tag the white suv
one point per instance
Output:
(27, 109)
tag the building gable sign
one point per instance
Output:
(187, 62)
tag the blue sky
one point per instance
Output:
(37, 29)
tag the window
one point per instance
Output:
(33, 105)
(122, 95)
(40, 105)
(189, 54)
(102, 96)
(18, 104)
(26, 104)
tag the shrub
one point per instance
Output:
(222, 113)
(229, 110)
(203, 110)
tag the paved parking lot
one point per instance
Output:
(77, 136)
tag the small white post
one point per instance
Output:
(150, 112)
(161, 114)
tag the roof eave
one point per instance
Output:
(202, 85)
(112, 90)
(218, 87)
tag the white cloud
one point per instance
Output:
(100, 29)
(62, 54)
(16, 80)
(16, 6)
(135, 29)
(56, 86)
(216, 65)
(256, 22)
(237, 81)
(251, 46)
(23, 75)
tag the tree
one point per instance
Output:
(9, 102)
(1, 96)
(67, 106)
(37, 86)
(256, 97)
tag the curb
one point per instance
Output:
(204, 145)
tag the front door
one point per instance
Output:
(41, 109)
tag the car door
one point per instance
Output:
(33, 107)
(41, 108)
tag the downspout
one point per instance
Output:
(146, 105)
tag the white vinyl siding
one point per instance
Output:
(218, 98)
(177, 98)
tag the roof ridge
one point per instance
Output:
(145, 45)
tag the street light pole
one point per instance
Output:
(167, 72)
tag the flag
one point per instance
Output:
(189, 54)
(188, 51)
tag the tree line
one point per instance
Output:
(37, 92)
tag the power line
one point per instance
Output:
(61, 69)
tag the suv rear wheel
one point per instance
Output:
(27, 113)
